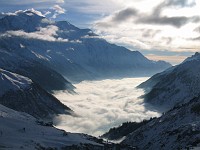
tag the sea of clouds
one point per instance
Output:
(103, 104)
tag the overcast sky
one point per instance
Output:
(160, 29)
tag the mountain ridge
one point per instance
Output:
(76, 54)
(175, 85)
(178, 128)
(22, 94)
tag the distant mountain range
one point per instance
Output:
(46, 51)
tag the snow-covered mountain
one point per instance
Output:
(27, 39)
(175, 85)
(19, 130)
(178, 128)
(22, 94)
(22, 131)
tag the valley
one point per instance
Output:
(67, 88)
(101, 105)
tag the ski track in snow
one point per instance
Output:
(103, 104)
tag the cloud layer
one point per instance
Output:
(101, 105)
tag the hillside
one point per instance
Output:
(22, 131)
(178, 128)
(22, 94)
(175, 85)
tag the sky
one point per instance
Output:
(160, 29)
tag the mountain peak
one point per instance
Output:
(28, 20)
(196, 56)
(29, 12)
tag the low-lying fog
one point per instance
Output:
(103, 104)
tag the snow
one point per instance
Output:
(177, 128)
(176, 85)
(20, 130)
(11, 81)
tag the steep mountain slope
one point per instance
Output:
(175, 85)
(118, 133)
(38, 72)
(22, 131)
(77, 54)
(21, 94)
(178, 128)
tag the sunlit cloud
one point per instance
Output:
(58, 10)
(46, 34)
(162, 27)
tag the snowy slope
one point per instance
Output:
(77, 54)
(178, 128)
(12, 82)
(21, 94)
(43, 75)
(175, 85)
(22, 131)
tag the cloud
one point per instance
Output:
(60, 1)
(127, 20)
(153, 18)
(117, 18)
(150, 32)
(175, 59)
(124, 14)
(196, 38)
(197, 29)
(58, 10)
(46, 34)
(47, 13)
(181, 3)
(108, 104)
(171, 25)
(156, 16)
(164, 20)
(18, 12)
